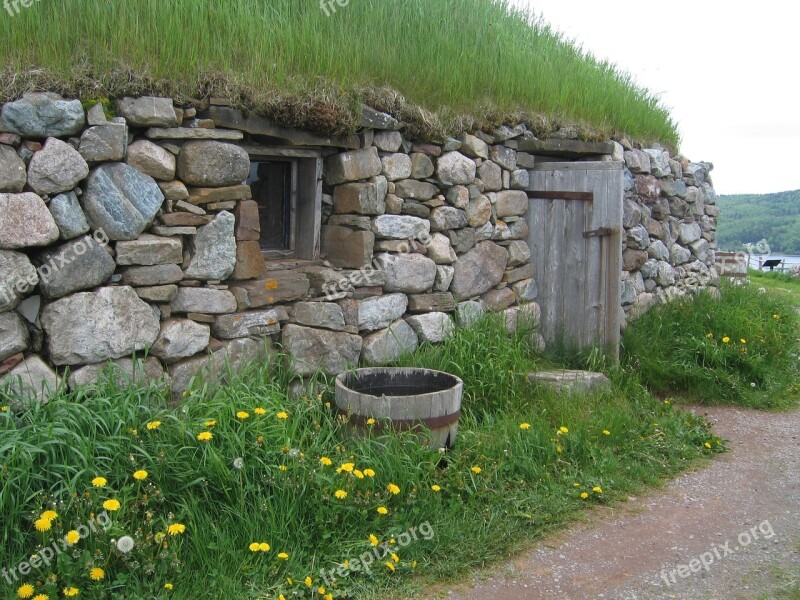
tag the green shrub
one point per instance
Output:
(741, 348)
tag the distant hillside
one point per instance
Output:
(750, 217)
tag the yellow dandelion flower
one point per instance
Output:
(242, 415)
(283, 556)
(667, 402)
(281, 597)
(328, 596)
(50, 515)
(260, 411)
(97, 574)
(709, 335)
(584, 495)
(395, 558)
(42, 524)
(346, 467)
(389, 566)
(382, 510)
(707, 445)
(321, 590)
(41, 597)
(289, 581)
(744, 341)
(370, 421)
(436, 488)
(140, 475)
(283, 468)
(205, 436)
(308, 581)
(99, 482)
(168, 586)
(209, 423)
(776, 316)
(340, 494)
(176, 529)
(358, 474)
(524, 425)
(563, 429)
(69, 592)
(369, 473)
(413, 564)
(282, 415)
(73, 537)
(559, 449)
(26, 590)
(373, 540)
(726, 339)
(606, 432)
(475, 469)
(576, 484)
(111, 505)
(253, 547)
(597, 489)
(394, 489)
(3, 409)
(153, 425)
(159, 537)
(325, 461)
(264, 547)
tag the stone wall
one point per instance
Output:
(670, 221)
(136, 234)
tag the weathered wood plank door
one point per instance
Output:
(575, 219)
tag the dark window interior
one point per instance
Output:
(271, 184)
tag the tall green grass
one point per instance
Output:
(502, 486)
(457, 57)
(741, 348)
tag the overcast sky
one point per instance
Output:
(728, 72)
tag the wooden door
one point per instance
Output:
(575, 219)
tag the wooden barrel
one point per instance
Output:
(403, 399)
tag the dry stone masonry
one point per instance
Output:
(135, 239)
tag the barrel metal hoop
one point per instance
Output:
(403, 424)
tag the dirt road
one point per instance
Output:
(728, 531)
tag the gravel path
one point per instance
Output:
(644, 549)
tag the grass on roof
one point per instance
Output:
(442, 65)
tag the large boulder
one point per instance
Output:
(389, 344)
(77, 265)
(151, 159)
(148, 111)
(13, 335)
(511, 203)
(407, 273)
(212, 164)
(453, 168)
(214, 249)
(180, 338)
(214, 367)
(311, 350)
(431, 327)
(121, 200)
(352, 166)
(138, 372)
(68, 215)
(104, 142)
(362, 198)
(43, 115)
(400, 227)
(380, 311)
(12, 170)
(91, 327)
(25, 222)
(17, 277)
(57, 167)
(479, 270)
(203, 300)
(32, 380)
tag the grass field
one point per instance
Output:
(739, 349)
(247, 492)
(441, 65)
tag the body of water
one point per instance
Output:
(788, 260)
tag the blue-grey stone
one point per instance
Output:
(43, 115)
(68, 215)
(121, 200)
